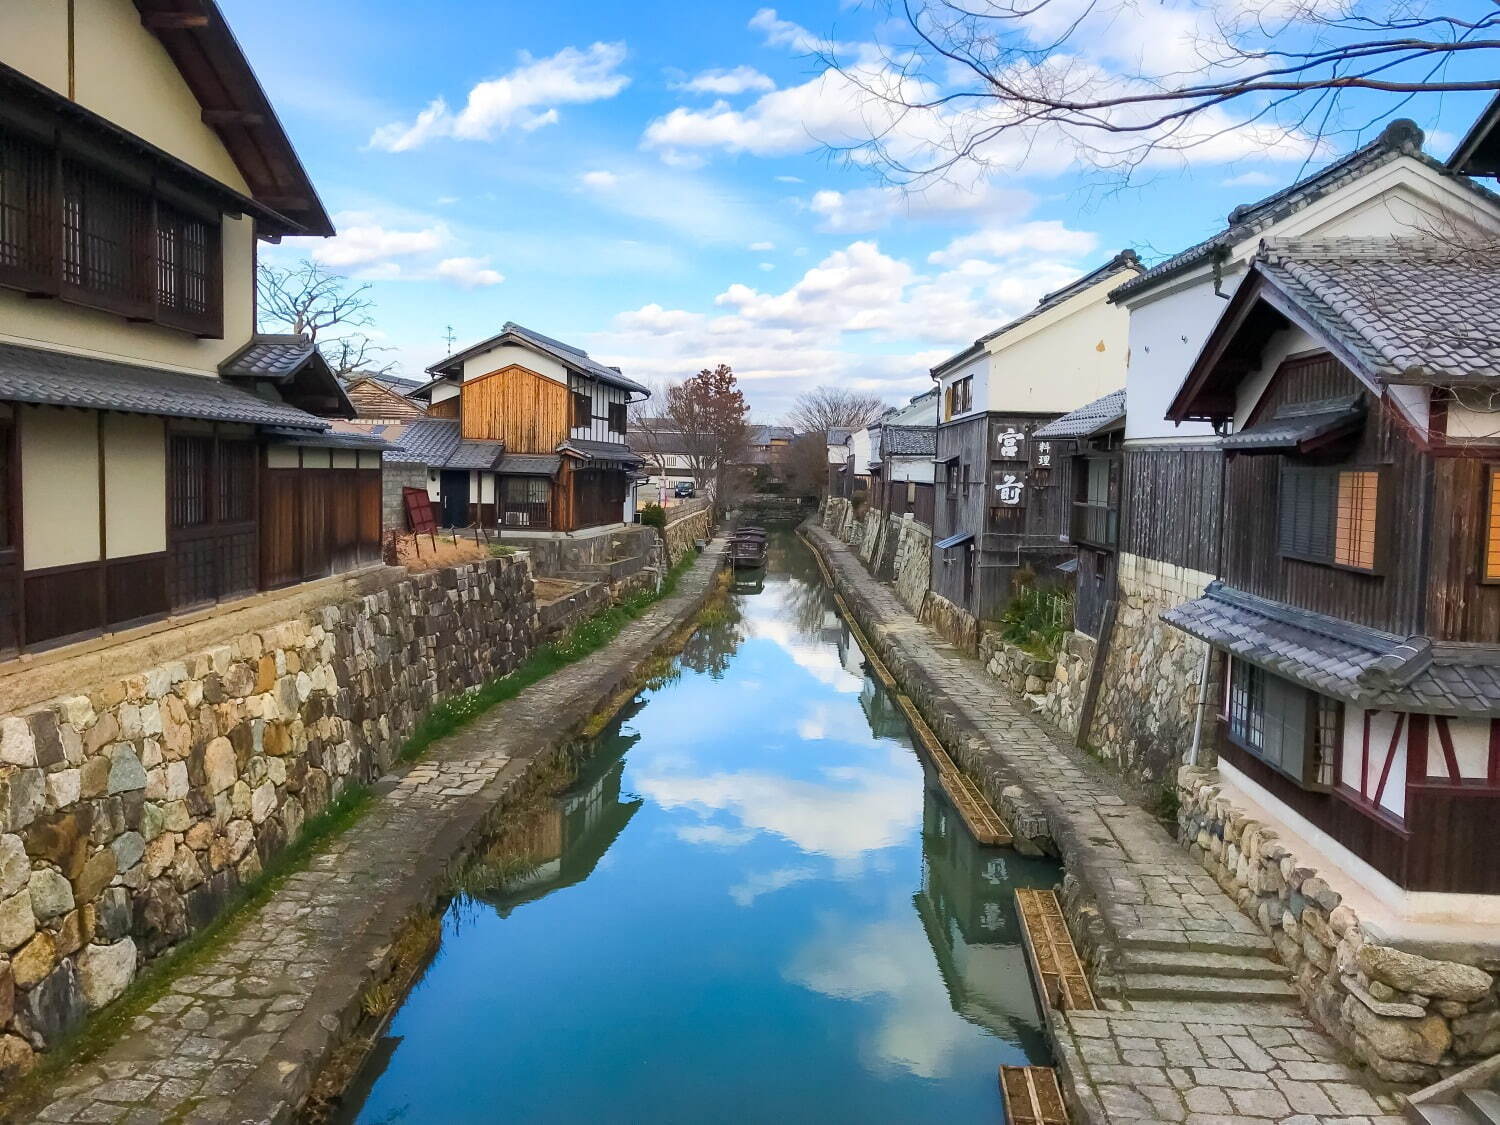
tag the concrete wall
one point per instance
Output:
(1143, 721)
(129, 815)
(1410, 1017)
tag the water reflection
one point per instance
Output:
(749, 902)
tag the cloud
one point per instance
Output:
(753, 886)
(599, 179)
(766, 267)
(363, 242)
(1251, 179)
(761, 247)
(471, 273)
(865, 209)
(714, 835)
(739, 80)
(526, 98)
(789, 179)
(778, 32)
(1044, 237)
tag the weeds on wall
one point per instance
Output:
(1037, 620)
(583, 639)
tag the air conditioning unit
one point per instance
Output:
(517, 519)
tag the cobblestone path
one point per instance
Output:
(1206, 1028)
(242, 1038)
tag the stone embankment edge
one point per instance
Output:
(278, 1089)
(335, 1008)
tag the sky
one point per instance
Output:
(669, 186)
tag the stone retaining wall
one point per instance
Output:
(1143, 719)
(1410, 1018)
(684, 528)
(912, 562)
(1053, 687)
(129, 816)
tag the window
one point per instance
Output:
(71, 230)
(236, 472)
(617, 417)
(1492, 527)
(1291, 729)
(582, 410)
(190, 470)
(1330, 515)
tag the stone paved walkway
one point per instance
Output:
(1205, 1029)
(242, 1038)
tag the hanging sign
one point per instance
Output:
(1041, 455)
(1008, 444)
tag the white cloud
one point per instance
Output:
(1251, 179)
(363, 242)
(752, 887)
(739, 80)
(794, 37)
(1044, 237)
(761, 247)
(526, 98)
(789, 179)
(471, 273)
(714, 835)
(766, 267)
(872, 208)
(599, 179)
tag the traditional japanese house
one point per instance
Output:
(527, 433)
(902, 444)
(1169, 532)
(382, 400)
(1357, 605)
(997, 509)
(156, 455)
(1083, 446)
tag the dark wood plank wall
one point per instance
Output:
(1094, 585)
(1393, 600)
(1173, 505)
(1460, 606)
(968, 440)
(278, 527)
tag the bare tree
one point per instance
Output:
(806, 465)
(708, 410)
(308, 300)
(833, 408)
(984, 82)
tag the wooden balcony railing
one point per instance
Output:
(1095, 523)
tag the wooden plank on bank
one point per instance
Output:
(974, 809)
(1055, 966)
(1032, 1096)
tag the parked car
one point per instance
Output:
(684, 490)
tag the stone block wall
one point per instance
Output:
(1053, 688)
(912, 562)
(685, 526)
(394, 478)
(1409, 1017)
(1148, 694)
(954, 623)
(129, 815)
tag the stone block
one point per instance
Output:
(1408, 972)
(104, 971)
(97, 874)
(33, 961)
(55, 1006)
(51, 894)
(126, 772)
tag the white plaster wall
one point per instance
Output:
(443, 392)
(1167, 331)
(283, 457)
(1069, 355)
(859, 452)
(59, 486)
(503, 355)
(979, 368)
(135, 485)
(920, 469)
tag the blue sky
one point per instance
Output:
(653, 181)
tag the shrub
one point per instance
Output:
(654, 515)
(1037, 620)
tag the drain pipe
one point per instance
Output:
(1202, 703)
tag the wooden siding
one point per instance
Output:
(527, 411)
(1094, 587)
(1445, 843)
(1173, 505)
(1460, 605)
(1391, 599)
(371, 400)
(448, 408)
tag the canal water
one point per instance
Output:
(749, 902)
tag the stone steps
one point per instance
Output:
(1195, 962)
(1182, 986)
(1473, 1107)
(1227, 941)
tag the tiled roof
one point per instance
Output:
(837, 436)
(530, 463)
(1297, 423)
(908, 441)
(268, 357)
(476, 455)
(1088, 419)
(762, 435)
(602, 450)
(566, 354)
(37, 375)
(328, 439)
(1398, 311)
(1350, 662)
(1400, 137)
(426, 441)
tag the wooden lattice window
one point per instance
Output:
(1354, 532)
(25, 194)
(617, 417)
(1492, 527)
(235, 473)
(1330, 515)
(582, 410)
(187, 257)
(105, 226)
(190, 475)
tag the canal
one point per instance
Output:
(747, 901)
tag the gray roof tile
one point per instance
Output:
(534, 464)
(1087, 419)
(908, 441)
(37, 375)
(426, 441)
(603, 450)
(566, 354)
(1346, 661)
(268, 357)
(1402, 312)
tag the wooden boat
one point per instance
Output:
(747, 548)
